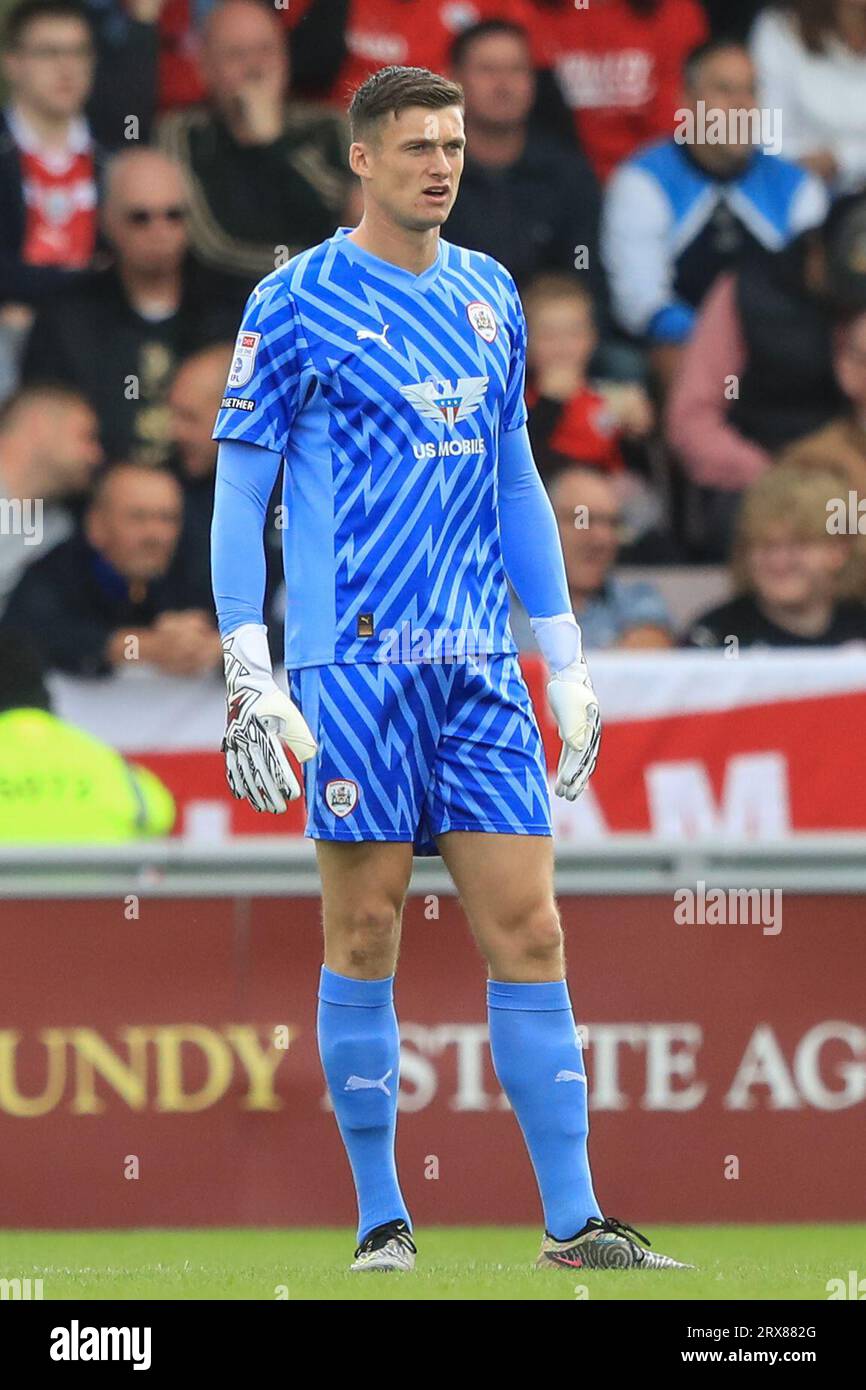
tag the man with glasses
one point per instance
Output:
(120, 337)
(612, 612)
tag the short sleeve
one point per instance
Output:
(263, 390)
(514, 413)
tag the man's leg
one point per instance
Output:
(505, 884)
(363, 888)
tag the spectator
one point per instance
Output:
(811, 61)
(415, 33)
(269, 175)
(758, 372)
(791, 572)
(568, 418)
(619, 65)
(611, 612)
(118, 337)
(525, 198)
(686, 209)
(193, 401)
(49, 165)
(58, 784)
(118, 592)
(732, 19)
(49, 450)
(843, 441)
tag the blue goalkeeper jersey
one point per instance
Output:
(385, 392)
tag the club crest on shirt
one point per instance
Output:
(483, 319)
(244, 360)
(341, 796)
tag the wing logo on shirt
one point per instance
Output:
(438, 399)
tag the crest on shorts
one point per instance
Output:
(483, 319)
(244, 360)
(341, 796)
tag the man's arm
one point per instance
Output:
(532, 555)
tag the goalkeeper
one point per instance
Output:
(383, 371)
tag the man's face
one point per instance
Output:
(72, 445)
(851, 366)
(51, 70)
(561, 333)
(498, 80)
(193, 403)
(411, 165)
(243, 45)
(588, 515)
(726, 82)
(789, 572)
(136, 523)
(145, 218)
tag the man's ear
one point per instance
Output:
(359, 159)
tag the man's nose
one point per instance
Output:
(439, 163)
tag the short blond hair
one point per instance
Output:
(795, 500)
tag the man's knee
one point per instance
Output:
(532, 935)
(367, 939)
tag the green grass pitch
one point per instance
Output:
(456, 1263)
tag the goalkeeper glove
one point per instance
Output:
(573, 701)
(259, 717)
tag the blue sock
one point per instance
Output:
(359, 1044)
(538, 1059)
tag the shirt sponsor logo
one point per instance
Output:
(483, 319)
(438, 399)
(244, 362)
(236, 403)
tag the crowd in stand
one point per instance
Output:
(695, 294)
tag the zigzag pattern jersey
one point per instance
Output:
(386, 393)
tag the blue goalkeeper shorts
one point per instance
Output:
(410, 751)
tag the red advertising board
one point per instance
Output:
(160, 1069)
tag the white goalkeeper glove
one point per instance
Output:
(573, 701)
(259, 717)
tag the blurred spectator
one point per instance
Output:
(416, 33)
(568, 418)
(315, 31)
(525, 198)
(193, 401)
(48, 163)
(611, 612)
(58, 784)
(686, 209)
(790, 570)
(49, 450)
(811, 61)
(118, 337)
(269, 175)
(619, 64)
(119, 593)
(732, 19)
(758, 372)
(842, 443)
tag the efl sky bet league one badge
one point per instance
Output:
(244, 361)
(483, 319)
(341, 797)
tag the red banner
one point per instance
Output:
(158, 1066)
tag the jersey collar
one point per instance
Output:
(386, 270)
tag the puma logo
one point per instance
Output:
(569, 1076)
(363, 1083)
(368, 333)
